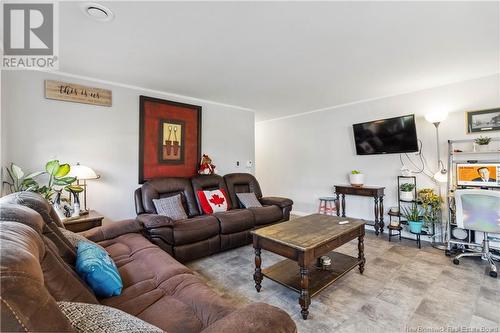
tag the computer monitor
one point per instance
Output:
(480, 175)
(478, 210)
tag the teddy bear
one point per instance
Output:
(206, 166)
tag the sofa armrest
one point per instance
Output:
(255, 317)
(150, 221)
(280, 202)
(112, 230)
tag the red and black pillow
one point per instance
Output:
(213, 201)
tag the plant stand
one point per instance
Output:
(422, 233)
(394, 230)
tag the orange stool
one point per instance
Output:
(327, 206)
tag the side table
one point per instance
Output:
(84, 222)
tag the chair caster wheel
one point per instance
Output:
(493, 274)
(456, 261)
(447, 253)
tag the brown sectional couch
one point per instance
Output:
(157, 288)
(202, 235)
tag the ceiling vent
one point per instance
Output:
(97, 12)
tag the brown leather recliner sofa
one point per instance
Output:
(201, 235)
(38, 270)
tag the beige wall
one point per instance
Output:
(302, 157)
(106, 138)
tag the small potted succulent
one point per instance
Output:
(406, 191)
(482, 143)
(356, 178)
(414, 217)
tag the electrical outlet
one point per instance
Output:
(237, 163)
(249, 164)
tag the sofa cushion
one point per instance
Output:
(171, 207)
(266, 214)
(213, 201)
(74, 238)
(167, 187)
(27, 305)
(96, 318)
(210, 183)
(160, 290)
(51, 222)
(95, 266)
(235, 220)
(194, 229)
(241, 183)
(133, 255)
(248, 200)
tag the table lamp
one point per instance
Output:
(82, 173)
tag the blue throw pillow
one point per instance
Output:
(98, 270)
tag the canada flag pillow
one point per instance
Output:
(213, 201)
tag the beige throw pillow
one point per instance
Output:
(96, 318)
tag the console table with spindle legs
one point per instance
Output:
(376, 192)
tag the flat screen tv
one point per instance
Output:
(386, 136)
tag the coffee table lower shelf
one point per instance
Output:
(287, 273)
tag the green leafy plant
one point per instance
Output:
(431, 205)
(18, 180)
(412, 213)
(355, 172)
(483, 140)
(407, 187)
(57, 180)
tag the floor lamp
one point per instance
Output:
(441, 176)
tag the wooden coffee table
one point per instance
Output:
(303, 241)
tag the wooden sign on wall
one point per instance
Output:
(70, 92)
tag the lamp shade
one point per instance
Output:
(82, 172)
(441, 176)
(436, 116)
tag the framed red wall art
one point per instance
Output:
(169, 139)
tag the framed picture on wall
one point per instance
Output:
(483, 121)
(169, 139)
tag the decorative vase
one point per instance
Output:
(483, 147)
(416, 226)
(357, 179)
(406, 195)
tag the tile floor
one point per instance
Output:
(403, 289)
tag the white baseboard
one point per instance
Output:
(298, 213)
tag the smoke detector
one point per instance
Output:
(97, 12)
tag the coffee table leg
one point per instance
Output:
(304, 299)
(361, 253)
(257, 276)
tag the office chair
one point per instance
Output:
(479, 210)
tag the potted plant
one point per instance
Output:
(356, 178)
(414, 218)
(482, 143)
(57, 180)
(406, 191)
(431, 205)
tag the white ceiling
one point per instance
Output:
(281, 58)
